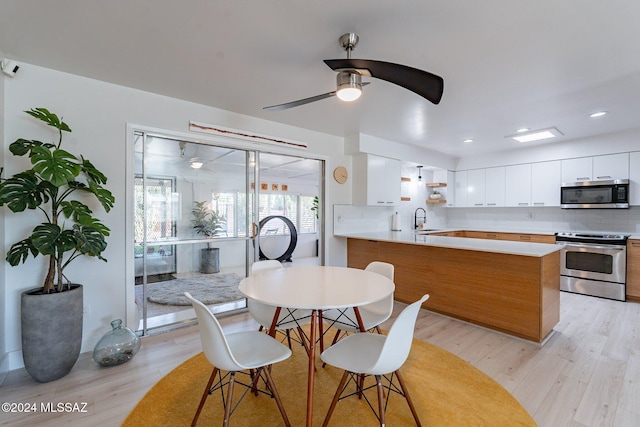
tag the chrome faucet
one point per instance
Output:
(415, 218)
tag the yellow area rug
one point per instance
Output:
(446, 390)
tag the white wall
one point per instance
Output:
(98, 114)
(363, 143)
(4, 359)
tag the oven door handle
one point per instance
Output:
(590, 246)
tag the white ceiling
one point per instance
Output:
(506, 64)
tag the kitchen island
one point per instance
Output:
(512, 287)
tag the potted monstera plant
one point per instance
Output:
(51, 314)
(208, 223)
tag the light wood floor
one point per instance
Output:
(587, 374)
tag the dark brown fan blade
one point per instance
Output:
(303, 101)
(425, 84)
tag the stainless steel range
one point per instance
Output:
(593, 264)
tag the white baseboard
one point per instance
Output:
(4, 367)
(11, 361)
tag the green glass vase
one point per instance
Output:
(117, 346)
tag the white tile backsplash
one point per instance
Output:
(356, 219)
(359, 219)
(546, 219)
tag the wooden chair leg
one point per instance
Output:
(380, 400)
(336, 396)
(204, 396)
(335, 337)
(288, 332)
(274, 391)
(227, 408)
(255, 377)
(405, 391)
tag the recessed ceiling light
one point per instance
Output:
(468, 141)
(522, 130)
(536, 135)
(597, 114)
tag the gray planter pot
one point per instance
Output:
(210, 260)
(51, 332)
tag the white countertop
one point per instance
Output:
(485, 245)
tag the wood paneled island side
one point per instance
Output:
(512, 291)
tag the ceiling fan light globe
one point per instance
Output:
(349, 94)
(349, 86)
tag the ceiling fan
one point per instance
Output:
(350, 72)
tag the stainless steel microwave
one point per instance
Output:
(612, 194)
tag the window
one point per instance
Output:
(307, 216)
(232, 206)
(163, 210)
(295, 207)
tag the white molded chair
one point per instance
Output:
(361, 355)
(372, 314)
(263, 313)
(250, 350)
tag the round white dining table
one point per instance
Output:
(316, 288)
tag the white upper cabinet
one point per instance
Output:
(460, 188)
(518, 186)
(574, 170)
(476, 187)
(495, 186)
(597, 168)
(376, 180)
(393, 172)
(538, 184)
(545, 183)
(611, 166)
(634, 178)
